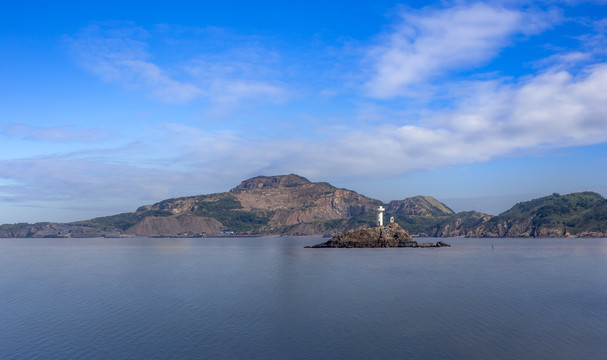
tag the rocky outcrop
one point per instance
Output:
(391, 235)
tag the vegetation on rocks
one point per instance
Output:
(580, 214)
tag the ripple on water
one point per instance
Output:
(270, 298)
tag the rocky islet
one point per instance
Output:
(389, 236)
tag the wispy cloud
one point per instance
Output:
(55, 133)
(65, 177)
(551, 110)
(431, 43)
(120, 53)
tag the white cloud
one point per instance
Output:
(554, 109)
(432, 43)
(566, 60)
(119, 53)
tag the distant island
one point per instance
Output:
(293, 205)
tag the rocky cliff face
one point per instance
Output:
(295, 200)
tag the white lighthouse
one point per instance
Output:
(380, 215)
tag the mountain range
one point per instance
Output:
(293, 205)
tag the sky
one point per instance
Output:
(107, 106)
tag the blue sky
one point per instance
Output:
(106, 107)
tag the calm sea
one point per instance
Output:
(269, 298)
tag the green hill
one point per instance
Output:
(580, 214)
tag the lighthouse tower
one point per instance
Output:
(380, 215)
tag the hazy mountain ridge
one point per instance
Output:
(292, 205)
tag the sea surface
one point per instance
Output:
(269, 298)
